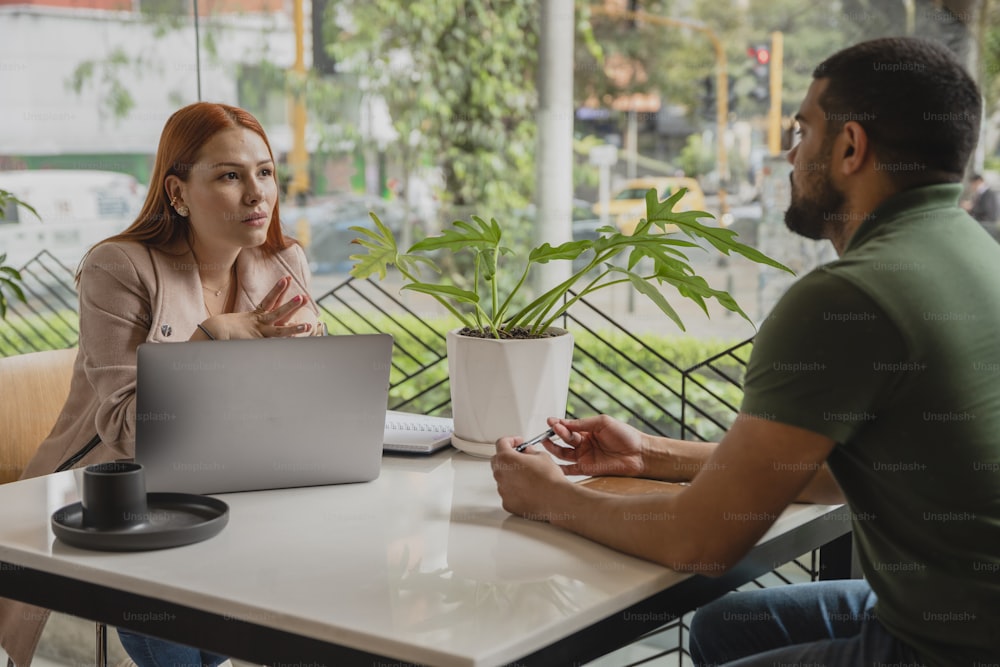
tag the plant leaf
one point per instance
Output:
(656, 209)
(462, 235)
(11, 271)
(568, 250)
(722, 239)
(695, 288)
(381, 246)
(656, 246)
(643, 287)
(15, 288)
(445, 291)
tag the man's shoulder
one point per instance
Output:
(817, 307)
(822, 286)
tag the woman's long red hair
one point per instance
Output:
(186, 131)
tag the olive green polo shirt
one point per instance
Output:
(893, 351)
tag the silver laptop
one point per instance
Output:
(246, 415)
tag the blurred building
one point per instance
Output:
(121, 50)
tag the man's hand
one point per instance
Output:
(740, 489)
(601, 445)
(528, 482)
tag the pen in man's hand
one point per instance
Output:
(534, 441)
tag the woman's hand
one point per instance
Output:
(273, 318)
(601, 445)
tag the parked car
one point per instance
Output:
(628, 203)
(76, 209)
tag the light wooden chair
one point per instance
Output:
(35, 386)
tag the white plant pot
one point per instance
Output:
(506, 387)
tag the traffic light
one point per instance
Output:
(633, 7)
(323, 62)
(708, 97)
(761, 68)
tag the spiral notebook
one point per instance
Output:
(416, 434)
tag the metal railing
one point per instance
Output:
(49, 319)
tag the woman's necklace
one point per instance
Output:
(218, 292)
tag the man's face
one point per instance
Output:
(817, 203)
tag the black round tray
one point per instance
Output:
(172, 520)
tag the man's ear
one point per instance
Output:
(854, 150)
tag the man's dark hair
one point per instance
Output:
(915, 100)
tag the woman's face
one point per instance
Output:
(230, 192)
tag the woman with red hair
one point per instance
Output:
(205, 259)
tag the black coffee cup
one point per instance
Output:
(114, 496)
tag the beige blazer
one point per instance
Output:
(130, 294)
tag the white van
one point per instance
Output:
(76, 209)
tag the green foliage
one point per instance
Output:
(7, 198)
(493, 311)
(641, 381)
(9, 279)
(672, 60)
(989, 29)
(107, 74)
(165, 15)
(456, 77)
(696, 159)
(49, 331)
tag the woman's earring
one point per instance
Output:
(181, 209)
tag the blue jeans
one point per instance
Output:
(824, 623)
(151, 652)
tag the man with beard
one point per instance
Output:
(873, 382)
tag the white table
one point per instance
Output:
(420, 566)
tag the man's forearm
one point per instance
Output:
(646, 526)
(671, 460)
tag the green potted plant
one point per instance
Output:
(509, 365)
(10, 278)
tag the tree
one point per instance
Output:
(988, 37)
(110, 74)
(696, 159)
(457, 79)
